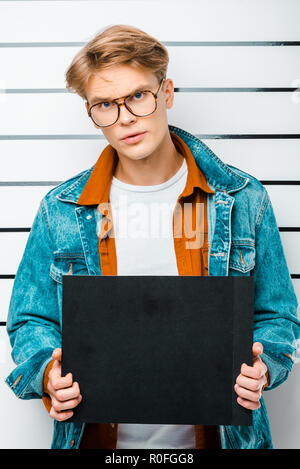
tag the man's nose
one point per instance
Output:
(125, 115)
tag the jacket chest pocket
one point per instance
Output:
(67, 264)
(242, 257)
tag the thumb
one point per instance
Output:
(257, 349)
(56, 354)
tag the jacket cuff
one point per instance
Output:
(277, 371)
(26, 380)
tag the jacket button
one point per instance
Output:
(71, 443)
(112, 425)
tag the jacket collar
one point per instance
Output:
(218, 174)
(213, 174)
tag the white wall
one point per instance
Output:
(235, 67)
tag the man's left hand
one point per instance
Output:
(251, 380)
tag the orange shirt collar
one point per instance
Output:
(96, 191)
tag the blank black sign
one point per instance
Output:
(157, 349)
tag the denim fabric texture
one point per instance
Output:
(243, 240)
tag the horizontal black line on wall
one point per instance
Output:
(101, 137)
(166, 43)
(56, 183)
(246, 136)
(26, 230)
(280, 183)
(176, 90)
(14, 230)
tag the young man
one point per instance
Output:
(79, 229)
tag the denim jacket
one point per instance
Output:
(243, 240)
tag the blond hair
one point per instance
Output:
(117, 44)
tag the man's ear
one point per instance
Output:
(169, 92)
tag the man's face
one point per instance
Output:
(119, 81)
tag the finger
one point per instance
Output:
(54, 373)
(65, 394)
(249, 383)
(56, 354)
(56, 368)
(260, 365)
(246, 394)
(257, 349)
(66, 405)
(248, 404)
(255, 372)
(60, 416)
(60, 382)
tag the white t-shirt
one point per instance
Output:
(142, 218)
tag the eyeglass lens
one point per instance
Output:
(140, 103)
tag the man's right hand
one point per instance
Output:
(64, 394)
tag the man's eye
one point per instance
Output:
(138, 94)
(105, 104)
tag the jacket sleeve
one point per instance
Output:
(276, 324)
(33, 323)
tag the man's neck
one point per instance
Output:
(154, 169)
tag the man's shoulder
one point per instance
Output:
(51, 196)
(254, 185)
(253, 197)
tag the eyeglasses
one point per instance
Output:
(140, 104)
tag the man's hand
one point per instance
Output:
(64, 394)
(251, 380)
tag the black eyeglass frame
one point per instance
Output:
(123, 103)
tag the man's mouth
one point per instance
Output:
(132, 135)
